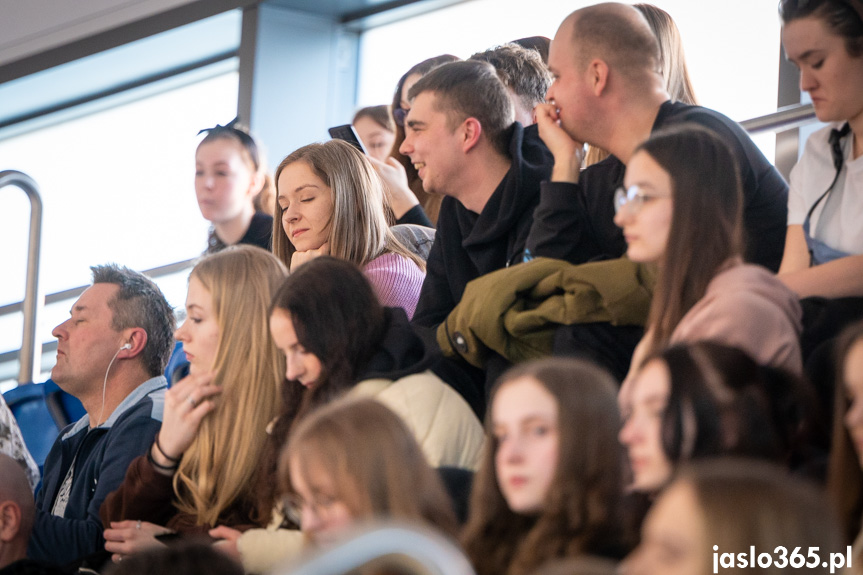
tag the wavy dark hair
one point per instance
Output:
(722, 402)
(337, 317)
(582, 513)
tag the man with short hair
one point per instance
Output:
(608, 91)
(461, 137)
(111, 354)
(16, 513)
(524, 74)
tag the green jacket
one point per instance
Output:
(515, 311)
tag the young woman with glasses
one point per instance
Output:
(681, 210)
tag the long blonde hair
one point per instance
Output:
(359, 230)
(219, 468)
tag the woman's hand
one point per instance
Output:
(299, 258)
(399, 195)
(127, 537)
(227, 543)
(186, 404)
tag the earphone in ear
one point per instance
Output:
(127, 346)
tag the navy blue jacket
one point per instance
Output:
(101, 456)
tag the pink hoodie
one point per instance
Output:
(746, 306)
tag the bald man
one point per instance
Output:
(17, 510)
(608, 91)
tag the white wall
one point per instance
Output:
(28, 27)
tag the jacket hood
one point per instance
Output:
(401, 352)
(762, 283)
(518, 191)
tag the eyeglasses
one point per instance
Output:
(293, 505)
(399, 115)
(632, 198)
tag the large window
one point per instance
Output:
(732, 47)
(116, 176)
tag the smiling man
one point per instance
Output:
(462, 138)
(111, 354)
(608, 91)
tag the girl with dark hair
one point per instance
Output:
(824, 39)
(410, 202)
(233, 188)
(330, 201)
(339, 339)
(550, 483)
(845, 476)
(681, 209)
(705, 399)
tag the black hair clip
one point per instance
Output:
(241, 134)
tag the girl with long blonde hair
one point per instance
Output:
(203, 467)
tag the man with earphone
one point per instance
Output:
(111, 354)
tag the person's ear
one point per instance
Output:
(10, 520)
(598, 76)
(257, 184)
(471, 131)
(133, 343)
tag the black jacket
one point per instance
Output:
(469, 245)
(574, 222)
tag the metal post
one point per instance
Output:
(30, 357)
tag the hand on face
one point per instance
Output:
(299, 258)
(395, 179)
(568, 153)
(186, 404)
(127, 537)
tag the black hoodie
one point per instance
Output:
(469, 245)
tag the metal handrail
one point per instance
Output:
(66, 294)
(406, 549)
(31, 349)
(785, 118)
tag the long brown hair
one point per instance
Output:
(429, 202)
(375, 463)
(359, 230)
(844, 475)
(582, 512)
(706, 222)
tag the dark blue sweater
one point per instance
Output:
(101, 456)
